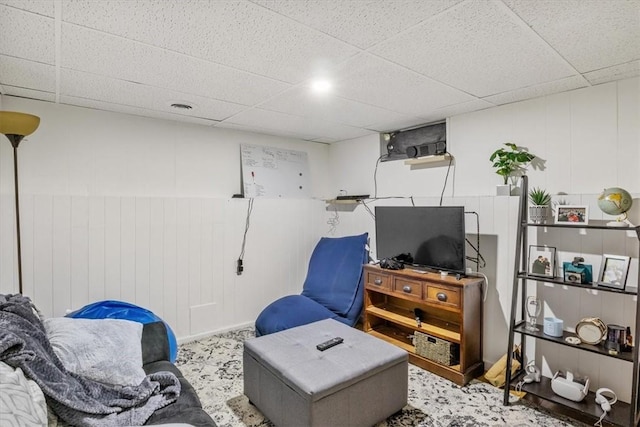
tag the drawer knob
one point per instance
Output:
(441, 296)
(406, 289)
(378, 281)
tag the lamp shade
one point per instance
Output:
(15, 123)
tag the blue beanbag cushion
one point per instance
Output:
(289, 312)
(111, 309)
(334, 272)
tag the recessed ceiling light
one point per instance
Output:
(321, 86)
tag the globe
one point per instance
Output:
(615, 201)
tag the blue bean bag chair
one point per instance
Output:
(111, 309)
(333, 288)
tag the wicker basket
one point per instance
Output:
(441, 351)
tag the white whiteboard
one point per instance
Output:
(274, 172)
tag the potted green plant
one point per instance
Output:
(540, 206)
(510, 162)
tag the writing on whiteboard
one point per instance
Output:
(274, 172)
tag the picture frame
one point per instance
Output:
(542, 261)
(614, 271)
(572, 214)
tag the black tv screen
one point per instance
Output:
(433, 235)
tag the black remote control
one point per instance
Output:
(328, 344)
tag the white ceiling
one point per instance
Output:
(249, 64)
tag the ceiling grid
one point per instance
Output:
(249, 65)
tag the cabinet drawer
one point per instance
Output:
(407, 287)
(443, 295)
(378, 280)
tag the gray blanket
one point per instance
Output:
(75, 399)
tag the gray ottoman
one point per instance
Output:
(357, 383)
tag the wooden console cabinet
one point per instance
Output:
(451, 311)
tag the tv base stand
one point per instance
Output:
(446, 339)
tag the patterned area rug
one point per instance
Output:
(214, 367)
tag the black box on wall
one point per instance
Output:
(423, 141)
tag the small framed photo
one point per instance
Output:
(542, 261)
(572, 215)
(614, 270)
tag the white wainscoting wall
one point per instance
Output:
(174, 256)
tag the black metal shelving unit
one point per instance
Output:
(622, 414)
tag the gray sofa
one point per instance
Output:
(155, 355)
(68, 387)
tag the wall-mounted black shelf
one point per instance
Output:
(585, 226)
(599, 349)
(590, 286)
(619, 415)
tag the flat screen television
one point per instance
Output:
(433, 235)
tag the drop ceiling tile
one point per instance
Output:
(360, 23)
(134, 111)
(324, 140)
(591, 35)
(394, 125)
(100, 53)
(562, 85)
(26, 35)
(27, 74)
(302, 101)
(479, 47)
(454, 110)
(40, 7)
(378, 82)
(617, 72)
(99, 88)
(257, 129)
(239, 34)
(29, 93)
(314, 127)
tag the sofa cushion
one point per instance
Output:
(104, 350)
(155, 342)
(195, 417)
(22, 402)
(187, 403)
(160, 366)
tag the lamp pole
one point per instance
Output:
(15, 126)
(14, 143)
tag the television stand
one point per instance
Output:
(437, 319)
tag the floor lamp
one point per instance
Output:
(15, 126)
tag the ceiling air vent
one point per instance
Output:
(181, 106)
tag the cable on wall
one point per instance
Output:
(369, 210)
(240, 267)
(446, 178)
(478, 259)
(373, 215)
(375, 173)
(334, 221)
